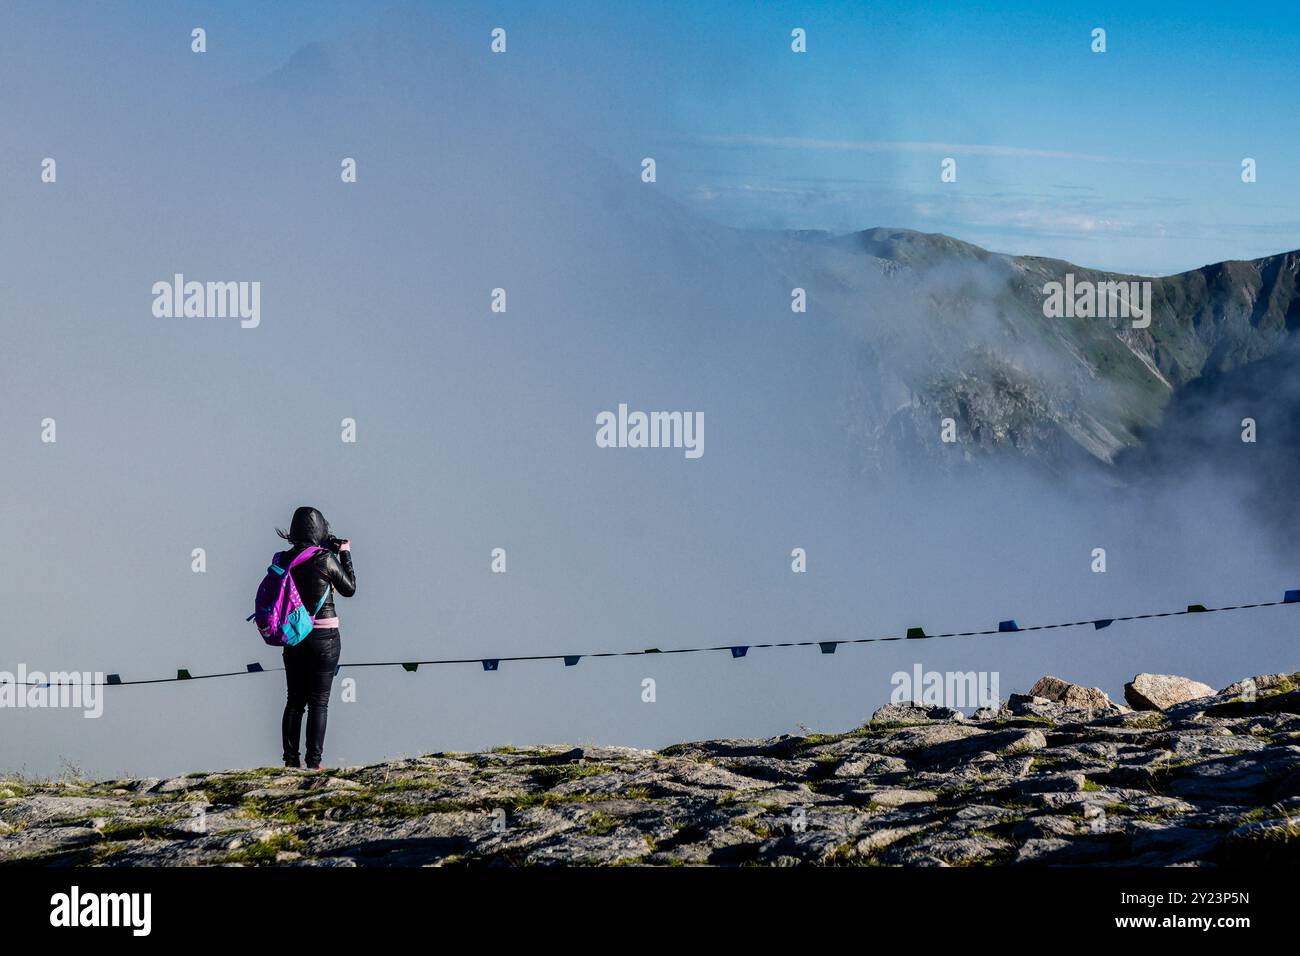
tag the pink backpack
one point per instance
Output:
(281, 617)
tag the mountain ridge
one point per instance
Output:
(1097, 384)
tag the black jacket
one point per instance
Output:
(327, 568)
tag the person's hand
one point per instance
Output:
(345, 545)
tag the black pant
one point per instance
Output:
(309, 673)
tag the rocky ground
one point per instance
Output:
(1057, 776)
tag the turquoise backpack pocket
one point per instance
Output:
(296, 626)
(299, 623)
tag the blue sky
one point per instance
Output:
(1128, 160)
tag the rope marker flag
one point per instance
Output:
(737, 651)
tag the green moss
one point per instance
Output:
(1146, 721)
(560, 773)
(264, 851)
(104, 852)
(139, 829)
(601, 823)
(1026, 719)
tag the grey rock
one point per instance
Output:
(1072, 695)
(871, 765)
(1241, 779)
(913, 713)
(1257, 684)
(898, 798)
(1050, 783)
(1159, 691)
(1003, 743)
(886, 836)
(1210, 781)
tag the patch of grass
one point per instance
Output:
(1026, 718)
(874, 727)
(1285, 831)
(562, 773)
(1146, 721)
(753, 826)
(138, 829)
(601, 823)
(104, 852)
(1261, 813)
(1285, 686)
(367, 806)
(229, 789)
(263, 851)
(1091, 786)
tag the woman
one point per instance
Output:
(309, 665)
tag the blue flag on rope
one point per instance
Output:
(915, 633)
(410, 668)
(183, 675)
(254, 668)
(571, 659)
(652, 650)
(1292, 597)
(828, 647)
(490, 663)
(739, 651)
(1196, 609)
(113, 679)
(1008, 626)
(1103, 622)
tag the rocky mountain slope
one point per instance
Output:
(952, 330)
(1058, 776)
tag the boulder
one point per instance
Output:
(1260, 682)
(1072, 695)
(912, 713)
(1158, 691)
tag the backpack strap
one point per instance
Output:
(308, 552)
(321, 603)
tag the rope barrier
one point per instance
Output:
(737, 650)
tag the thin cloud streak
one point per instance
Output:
(903, 146)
